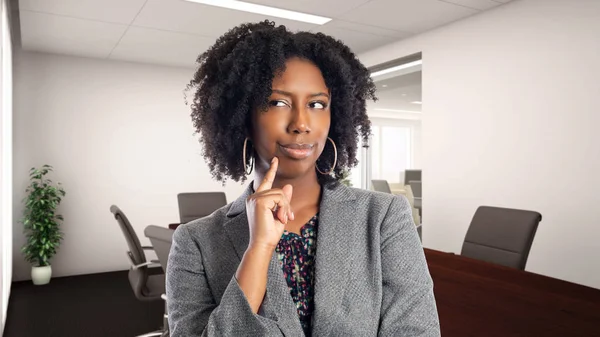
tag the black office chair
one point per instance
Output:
(197, 205)
(161, 239)
(147, 284)
(501, 235)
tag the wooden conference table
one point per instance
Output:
(476, 298)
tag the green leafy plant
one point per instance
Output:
(346, 178)
(40, 221)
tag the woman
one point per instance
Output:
(298, 253)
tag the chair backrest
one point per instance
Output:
(137, 277)
(193, 206)
(415, 186)
(501, 235)
(135, 247)
(161, 239)
(381, 186)
(412, 175)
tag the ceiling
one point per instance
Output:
(174, 32)
(399, 92)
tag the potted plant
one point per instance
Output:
(41, 223)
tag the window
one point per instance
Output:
(357, 173)
(391, 150)
(395, 145)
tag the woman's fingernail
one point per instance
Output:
(285, 218)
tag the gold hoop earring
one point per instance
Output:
(244, 158)
(334, 159)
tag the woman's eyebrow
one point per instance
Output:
(281, 92)
(289, 94)
(320, 94)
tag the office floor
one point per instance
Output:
(76, 306)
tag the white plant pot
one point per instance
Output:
(41, 275)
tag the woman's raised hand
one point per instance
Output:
(268, 211)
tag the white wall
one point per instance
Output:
(6, 154)
(510, 118)
(116, 133)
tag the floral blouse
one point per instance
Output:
(297, 256)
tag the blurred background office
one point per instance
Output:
(487, 123)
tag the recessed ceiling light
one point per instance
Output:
(396, 68)
(403, 95)
(265, 10)
(416, 102)
(396, 110)
(385, 85)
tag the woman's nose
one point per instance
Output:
(300, 122)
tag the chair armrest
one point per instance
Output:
(145, 264)
(150, 248)
(153, 263)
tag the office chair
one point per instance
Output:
(411, 175)
(381, 186)
(501, 235)
(197, 205)
(161, 239)
(146, 287)
(415, 186)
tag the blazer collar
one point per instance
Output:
(335, 232)
(239, 205)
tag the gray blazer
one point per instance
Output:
(371, 277)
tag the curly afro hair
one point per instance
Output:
(234, 78)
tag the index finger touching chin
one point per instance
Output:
(267, 182)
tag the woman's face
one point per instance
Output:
(295, 125)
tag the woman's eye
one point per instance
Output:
(318, 105)
(278, 103)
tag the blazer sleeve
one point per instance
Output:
(191, 307)
(408, 304)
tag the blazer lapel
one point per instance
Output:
(332, 270)
(278, 304)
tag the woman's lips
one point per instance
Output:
(297, 151)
